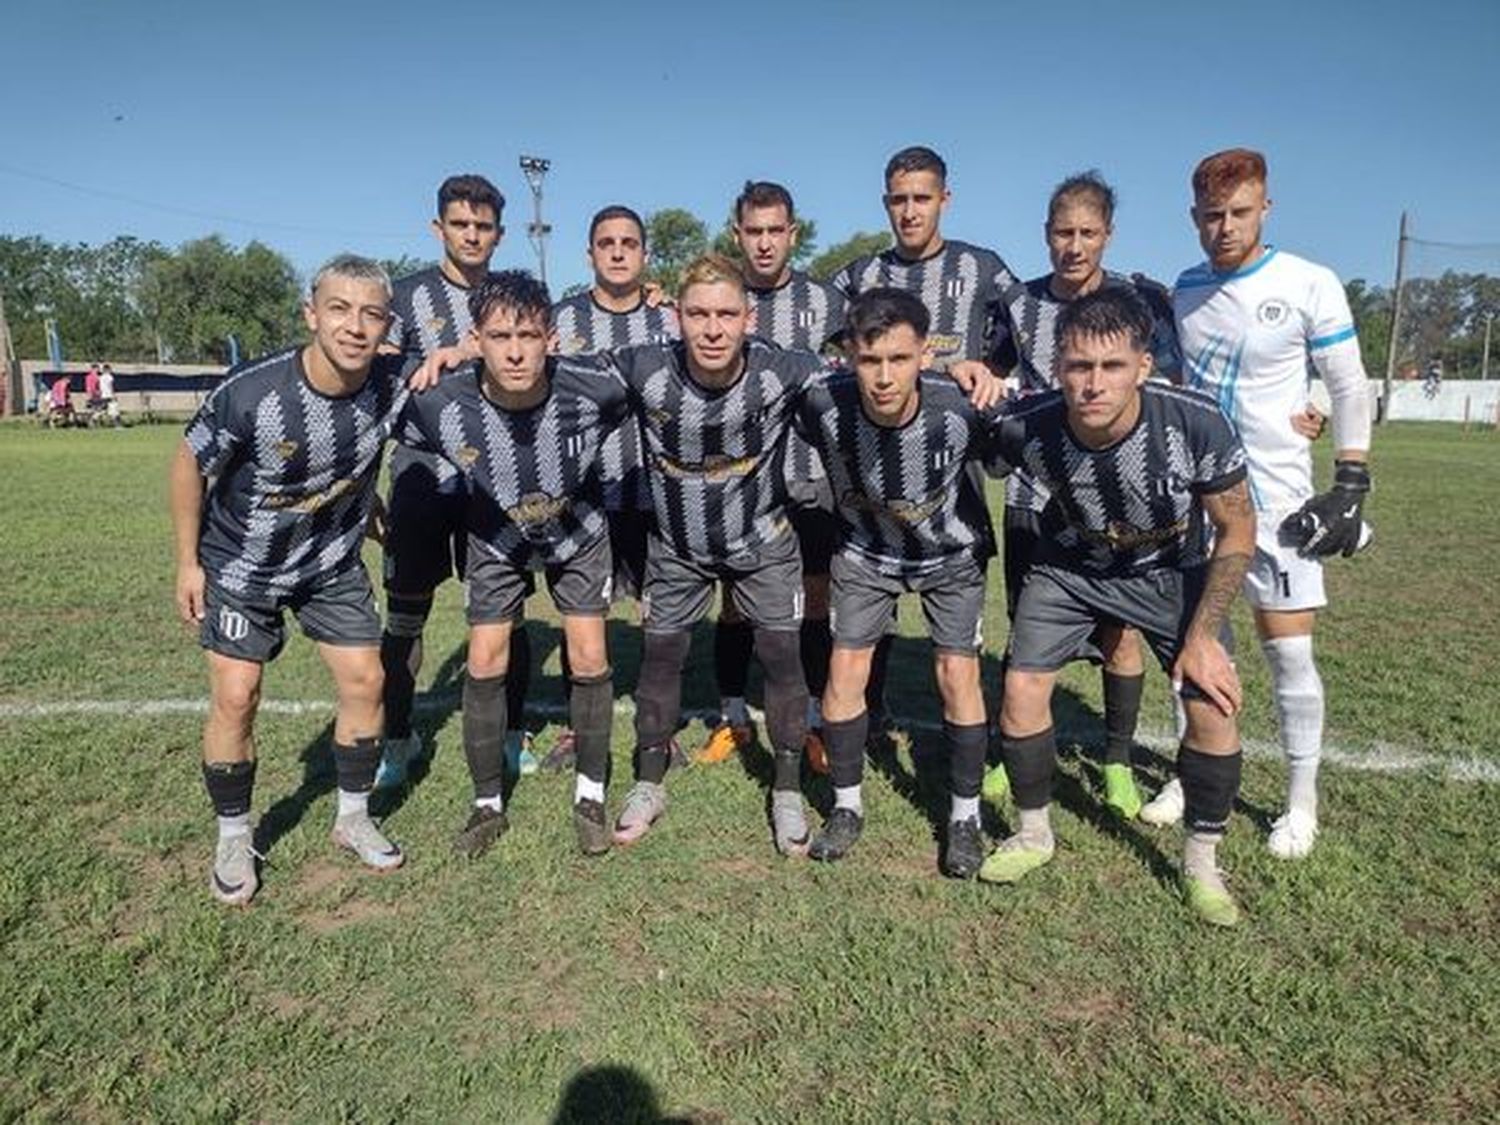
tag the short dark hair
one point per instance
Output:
(1090, 186)
(876, 311)
(763, 193)
(1107, 312)
(516, 290)
(916, 158)
(474, 190)
(616, 211)
(1219, 174)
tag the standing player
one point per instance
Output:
(527, 430)
(614, 313)
(1080, 221)
(897, 444)
(960, 284)
(1251, 318)
(792, 310)
(270, 493)
(1135, 468)
(425, 536)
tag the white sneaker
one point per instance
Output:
(1166, 807)
(1293, 834)
(357, 833)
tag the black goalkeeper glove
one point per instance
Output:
(1331, 523)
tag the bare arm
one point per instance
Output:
(1203, 659)
(185, 502)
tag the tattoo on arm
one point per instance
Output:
(1233, 517)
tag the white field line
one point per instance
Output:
(1379, 758)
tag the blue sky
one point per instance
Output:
(319, 128)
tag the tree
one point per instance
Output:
(207, 291)
(1371, 306)
(839, 255)
(406, 265)
(675, 237)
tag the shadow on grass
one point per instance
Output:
(611, 1095)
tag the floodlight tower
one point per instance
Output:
(534, 168)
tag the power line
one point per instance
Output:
(102, 193)
(1487, 247)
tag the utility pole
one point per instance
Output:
(1484, 370)
(8, 384)
(534, 168)
(1390, 359)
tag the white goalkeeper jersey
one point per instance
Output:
(1248, 338)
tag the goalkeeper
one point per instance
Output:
(1250, 319)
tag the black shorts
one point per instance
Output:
(1060, 609)
(677, 592)
(338, 611)
(497, 589)
(425, 533)
(863, 603)
(817, 528)
(629, 529)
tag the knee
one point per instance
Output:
(664, 653)
(1026, 703)
(488, 658)
(957, 674)
(780, 655)
(587, 660)
(364, 682)
(236, 700)
(1122, 651)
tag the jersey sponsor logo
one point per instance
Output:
(232, 624)
(715, 468)
(900, 509)
(307, 505)
(286, 450)
(1121, 535)
(1272, 312)
(536, 508)
(943, 344)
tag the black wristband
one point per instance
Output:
(1351, 476)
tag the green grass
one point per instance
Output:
(697, 975)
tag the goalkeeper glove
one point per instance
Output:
(1331, 522)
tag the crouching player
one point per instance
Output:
(270, 493)
(898, 444)
(1134, 468)
(527, 430)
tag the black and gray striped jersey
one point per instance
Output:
(960, 285)
(585, 327)
(906, 502)
(1134, 506)
(803, 313)
(1029, 349)
(429, 311)
(291, 472)
(715, 456)
(535, 477)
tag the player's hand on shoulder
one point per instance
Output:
(1332, 522)
(656, 297)
(431, 371)
(1204, 663)
(984, 388)
(189, 593)
(1309, 422)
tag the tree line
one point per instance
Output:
(130, 300)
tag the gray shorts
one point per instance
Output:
(496, 589)
(1059, 610)
(863, 603)
(338, 611)
(768, 594)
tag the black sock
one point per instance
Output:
(651, 763)
(403, 632)
(1029, 762)
(230, 786)
(518, 677)
(1122, 710)
(787, 771)
(355, 764)
(658, 692)
(817, 650)
(734, 641)
(786, 690)
(875, 688)
(1210, 783)
(591, 711)
(484, 734)
(567, 670)
(846, 749)
(966, 744)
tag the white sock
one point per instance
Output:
(1036, 827)
(1200, 855)
(353, 802)
(496, 802)
(849, 797)
(962, 808)
(1179, 715)
(587, 789)
(230, 826)
(1298, 691)
(733, 710)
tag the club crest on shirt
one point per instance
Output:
(436, 324)
(466, 455)
(1272, 312)
(954, 287)
(286, 450)
(806, 318)
(574, 344)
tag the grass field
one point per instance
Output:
(698, 976)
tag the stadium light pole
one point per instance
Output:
(534, 168)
